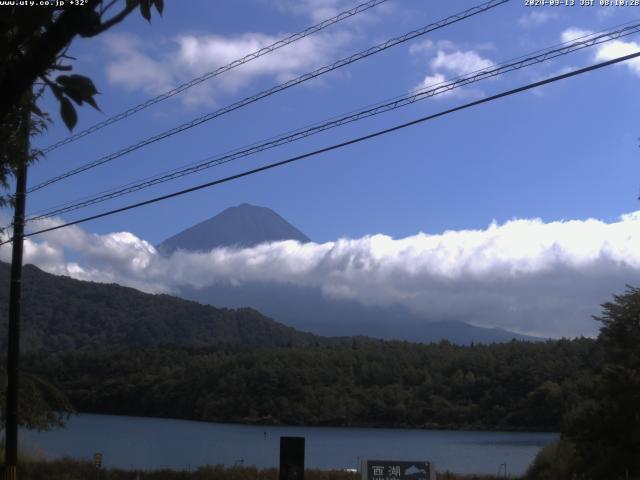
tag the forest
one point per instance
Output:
(512, 386)
(180, 359)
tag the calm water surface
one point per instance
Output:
(148, 443)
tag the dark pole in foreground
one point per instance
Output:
(13, 353)
(291, 458)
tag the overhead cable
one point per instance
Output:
(225, 68)
(337, 146)
(273, 90)
(397, 102)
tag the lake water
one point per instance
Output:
(150, 443)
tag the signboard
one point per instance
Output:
(397, 470)
(97, 459)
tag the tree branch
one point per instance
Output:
(111, 22)
(64, 68)
(105, 8)
(41, 55)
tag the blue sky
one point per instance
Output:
(566, 152)
(518, 213)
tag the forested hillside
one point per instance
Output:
(112, 349)
(516, 385)
(62, 314)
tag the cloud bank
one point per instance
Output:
(524, 275)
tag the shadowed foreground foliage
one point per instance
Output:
(601, 433)
(67, 469)
(556, 461)
(605, 426)
(42, 405)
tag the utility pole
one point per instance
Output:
(15, 291)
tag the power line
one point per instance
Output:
(382, 107)
(586, 40)
(614, 32)
(225, 68)
(257, 143)
(278, 88)
(338, 145)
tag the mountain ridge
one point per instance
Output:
(63, 314)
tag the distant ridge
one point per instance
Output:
(242, 226)
(309, 310)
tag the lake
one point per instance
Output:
(151, 443)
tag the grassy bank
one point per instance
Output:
(69, 469)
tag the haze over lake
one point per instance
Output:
(152, 443)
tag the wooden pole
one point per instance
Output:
(15, 291)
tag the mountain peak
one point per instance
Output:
(245, 225)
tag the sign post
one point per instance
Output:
(291, 458)
(397, 470)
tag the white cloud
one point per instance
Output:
(316, 10)
(459, 62)
(446, 62)
(428, 46)
(155, 67)
(135, 65)
(423, 46)
(618, 48)
(431, 81)
(319, 10)
(524, 275)
(571, 34)
(537, 18)
(206, 53)
(134, 69)
(609, 50)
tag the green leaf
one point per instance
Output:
(79, 88)
(159, 6)
(57, 91)
(73, 95)
(93, 103)
(145, 9)
(85, 83)
(80, 83)
(63, 80)
(68, 113)
(36, 110)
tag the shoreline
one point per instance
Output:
(151, 442)
(432, 427)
